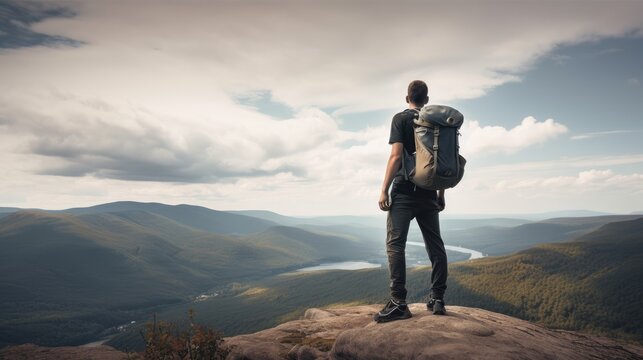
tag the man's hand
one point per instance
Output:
(385, 204)
(441, 201)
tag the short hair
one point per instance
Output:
(418, 91)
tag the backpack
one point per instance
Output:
(436, 163)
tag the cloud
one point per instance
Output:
(532, 168)
(90, 137)
(585, 181)
(527, 190)
(634, 82)
(600, 133)
(327, 54)
(478, 139)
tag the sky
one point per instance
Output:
(286, 105)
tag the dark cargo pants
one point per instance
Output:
(405, 207)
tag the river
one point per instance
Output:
(357, 265)
(474, 254)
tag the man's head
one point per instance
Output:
(418, 93)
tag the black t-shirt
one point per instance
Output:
(402, 131)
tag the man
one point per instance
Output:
(406, 202)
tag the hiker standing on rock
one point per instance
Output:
(409, 200)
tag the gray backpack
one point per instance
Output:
(436, 163)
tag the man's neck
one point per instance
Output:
(414, 106)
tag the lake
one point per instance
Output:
(474, 254)
(344, 265)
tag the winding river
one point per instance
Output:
(357, 265)
(474, 254)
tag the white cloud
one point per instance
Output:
(600, 133)
(532, 168)
(478, 139)
(83, 136)
(602, 183)
(585, 181)
(339, 54)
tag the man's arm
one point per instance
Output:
(392, 167)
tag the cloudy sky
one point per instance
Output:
(286, 105)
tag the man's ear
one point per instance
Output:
(407, 99)
(426, 101)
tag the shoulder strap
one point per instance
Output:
(406, 175)
(436, 137)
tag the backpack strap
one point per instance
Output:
(436, 137)
(416, 115)
(406, 175)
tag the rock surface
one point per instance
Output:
(350, 333)
(465, 333)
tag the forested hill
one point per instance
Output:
(67, 276)
(593, 283)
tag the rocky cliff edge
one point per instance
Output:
(465, 333)
(350, 333)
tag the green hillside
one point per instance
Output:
(592, 283)
(65, 278)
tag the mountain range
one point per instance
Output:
(73, 276)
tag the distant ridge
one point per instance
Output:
(351, 220)
(270, 216)
(198, 217)
(494, 240)
(573, 213)
(530, 216)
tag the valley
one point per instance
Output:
(80, 275)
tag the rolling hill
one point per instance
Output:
(198, 217)
(591, 283)
(80, 272)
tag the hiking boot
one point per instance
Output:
(394, 310)
(437, 306)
